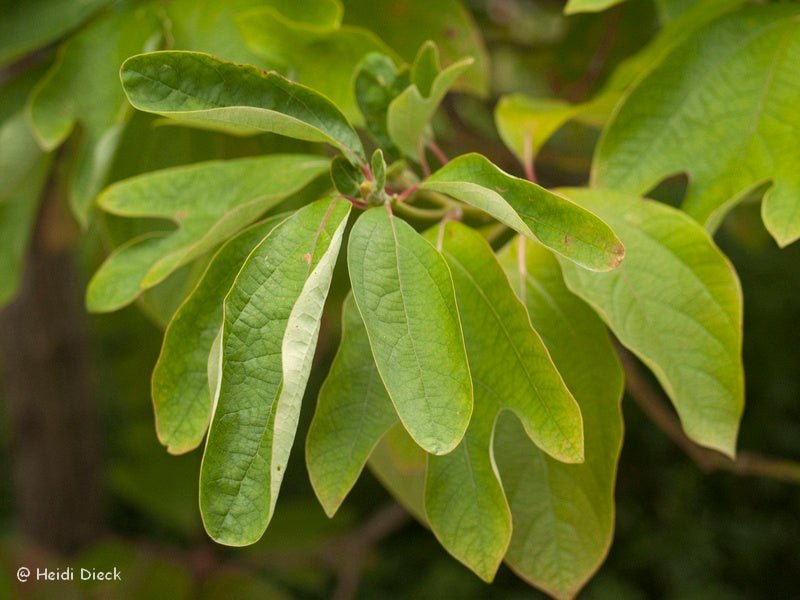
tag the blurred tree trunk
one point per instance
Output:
(51, 409)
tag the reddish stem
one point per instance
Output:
(438, 152)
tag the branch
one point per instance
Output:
(650, 401)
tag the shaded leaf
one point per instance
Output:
(404, 292)
(207, 201)
(728, 138)
(563, 514)
(204, 91)
(555, 221)
(353, 414)
(180, 386)
(269, 332)
(677, 304)
(377, 83)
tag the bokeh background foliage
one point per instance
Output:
(88, 484)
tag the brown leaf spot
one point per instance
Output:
(181, 215)
(307, 258)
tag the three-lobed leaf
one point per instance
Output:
(726, 115)
(207, 201)
(271, 323)
(557, 222)
(205, 91)
(677, 304)
(404, 293)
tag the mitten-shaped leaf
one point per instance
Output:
(404, 292)
(410, 113)
(726, 115)
(269, 332)
(511, 369)
(533, 211)
(207, 201)
(205, 91)
(676, 303)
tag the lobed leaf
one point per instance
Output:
(726, 115)
(271, 324)
(677, 304)
(511, 369)
(410, 112)
(207, 201)
(181, 388)
(404, 292)
(201, 90)
(558, 223)
(563, 514)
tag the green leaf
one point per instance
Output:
(563, 514)
(533, 211)
(321, 54)
(404, 292)
(728, 139)
(353, 414)
(409, 114)
(407, 24)
(518, 116)
(676, 303)
(207, 201)
(378, 169)
(377, 83)
(81, 89)
(26, 26)
(346, 177)
(581, 6)
(181, 389)
(511, 369)
(204, 91)
(270, 329)
(426, 68)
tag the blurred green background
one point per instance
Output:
(680, 533)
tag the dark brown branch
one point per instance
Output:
(650, 401)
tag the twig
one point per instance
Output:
(746, 463)
(527, 157)
(438, 152)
